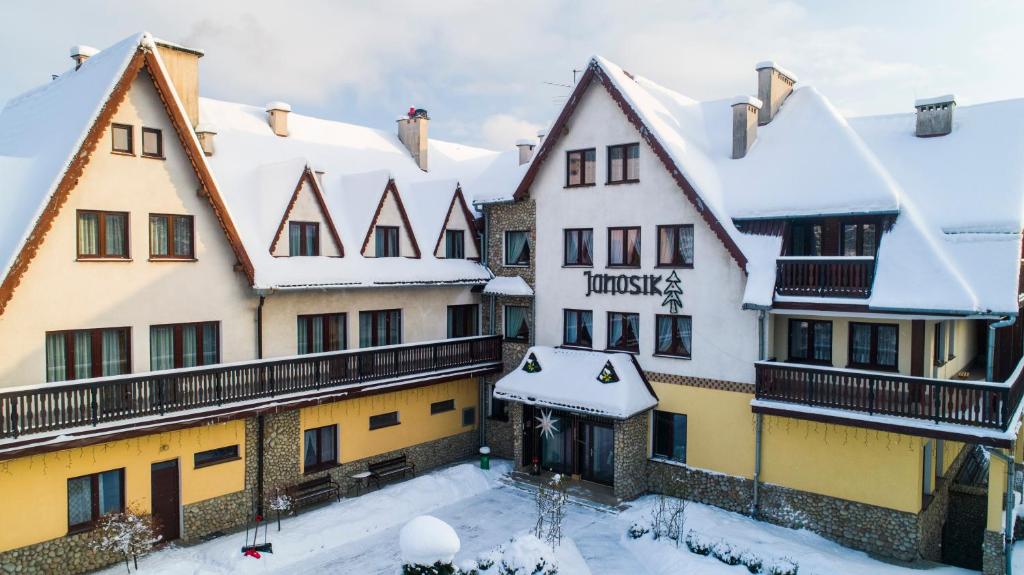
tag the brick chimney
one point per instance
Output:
(182, 66)
(205, 133)
(277, 117)
(525, 150)
(744, 124)
(935, 116)
(81, 53)
(412, 131)
(774, 83)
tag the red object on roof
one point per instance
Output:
(412, 111)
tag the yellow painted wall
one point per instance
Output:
(417, 424)
(34, 488)
(996, 494)
(719, 426)
(950, 451)
(871, 467)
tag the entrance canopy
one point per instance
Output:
(590, 382)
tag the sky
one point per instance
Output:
(492, 72)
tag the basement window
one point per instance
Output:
(215, 456)
(442, 406)
(384, 420)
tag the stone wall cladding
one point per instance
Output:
(68, 555)
(282, 452)
(631, 456)
(993, 554)
(227, 511)
(520, 215)
(860, 526)
(700, 382)
(499, 438)
(515, 416)
(931, 519)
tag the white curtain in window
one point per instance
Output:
(633, 162)
(56, 361)
(182, 236)
(686, 245)
(382, 329)
(338, 331)
(617, 241)
(666, 243)
(516, 243)
(589, 166)
(588, 324)
(633, 257)
(515, 322)
(572, 248)
(189, 344)
(823, 341)
(634, 327)
(116, 225)
(365, 329)
(88, 234)
(615, 164)
(664, 334)
(861, 344)
(571, 322)
(318, 334)
(311, 456)
(158, 235)
(311, 240)
(83, 354)
(114, 360)
(303, 327)
(294, 240)
(79, 500)
(110, 492)
(887, 345)
(615, 331)
(161, 348)
(798, 339)
(685, 333)
(588, 246)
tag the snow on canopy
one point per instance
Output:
(511, 286)
(356, 164)
(42, 130)
(568, 380)
(942, 254)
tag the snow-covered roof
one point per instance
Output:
(568, 379)
(511, 286)
(40, 133)
(257, 172)
(950, 249)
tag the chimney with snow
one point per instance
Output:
(744, 124)
(525, 150)
(277, 117)
(935, 116)
(774, 83)
(412, 131)
(205, 133)
(182, 66)
(82, 53)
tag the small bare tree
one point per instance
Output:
(280, 503)
(128, 532)
(551, 500)
(668, 518)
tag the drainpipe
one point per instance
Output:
(259, 328)
(1008, 520)
(762, 352)
(259, 418)
(990, 358)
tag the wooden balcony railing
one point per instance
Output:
(84, 402)
(825, 276)
(980, 404)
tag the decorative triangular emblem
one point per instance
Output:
(608, 374)
(531, 365)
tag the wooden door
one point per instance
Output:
(165, 501)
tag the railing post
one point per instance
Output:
(218, 387)
(272, 379)
(433, 349)
(936, 402)
(15, 418)
(871, 395)
(161, 394)
(316, 372)
(95, 405)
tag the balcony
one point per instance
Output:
(825, 276)
(90, 402)
(986, 405)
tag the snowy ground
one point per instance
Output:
(360, 535)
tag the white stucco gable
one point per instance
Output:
(307, 206)
(391, 213)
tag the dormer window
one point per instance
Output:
(454, 244)
(859, 239)
(303, 239)
(805, 239)
(386, 238)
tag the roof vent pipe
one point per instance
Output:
(82, 53)
(744, 124)
(774, 83)
(935, 116)
(540, 136)
(277, 117)
(525, 150)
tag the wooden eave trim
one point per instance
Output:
(183, 127)
(68, 181)
(392, 189)
(821, 306)
(867, 423)
(44, 443)
(559, 128)
(307, 175)
(470, 220)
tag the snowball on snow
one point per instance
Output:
(425, 540)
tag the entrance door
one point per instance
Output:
(555, 442)
(598, 453)
(166, 505)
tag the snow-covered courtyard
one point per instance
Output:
(361, 535)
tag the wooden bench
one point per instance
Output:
(395, 467)
(307, 492)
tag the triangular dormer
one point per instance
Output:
(390, 233)
(306, 228)
(463, 238)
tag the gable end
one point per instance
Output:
(392, 189)
(308, 176)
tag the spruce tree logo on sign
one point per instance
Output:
(647, 284)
